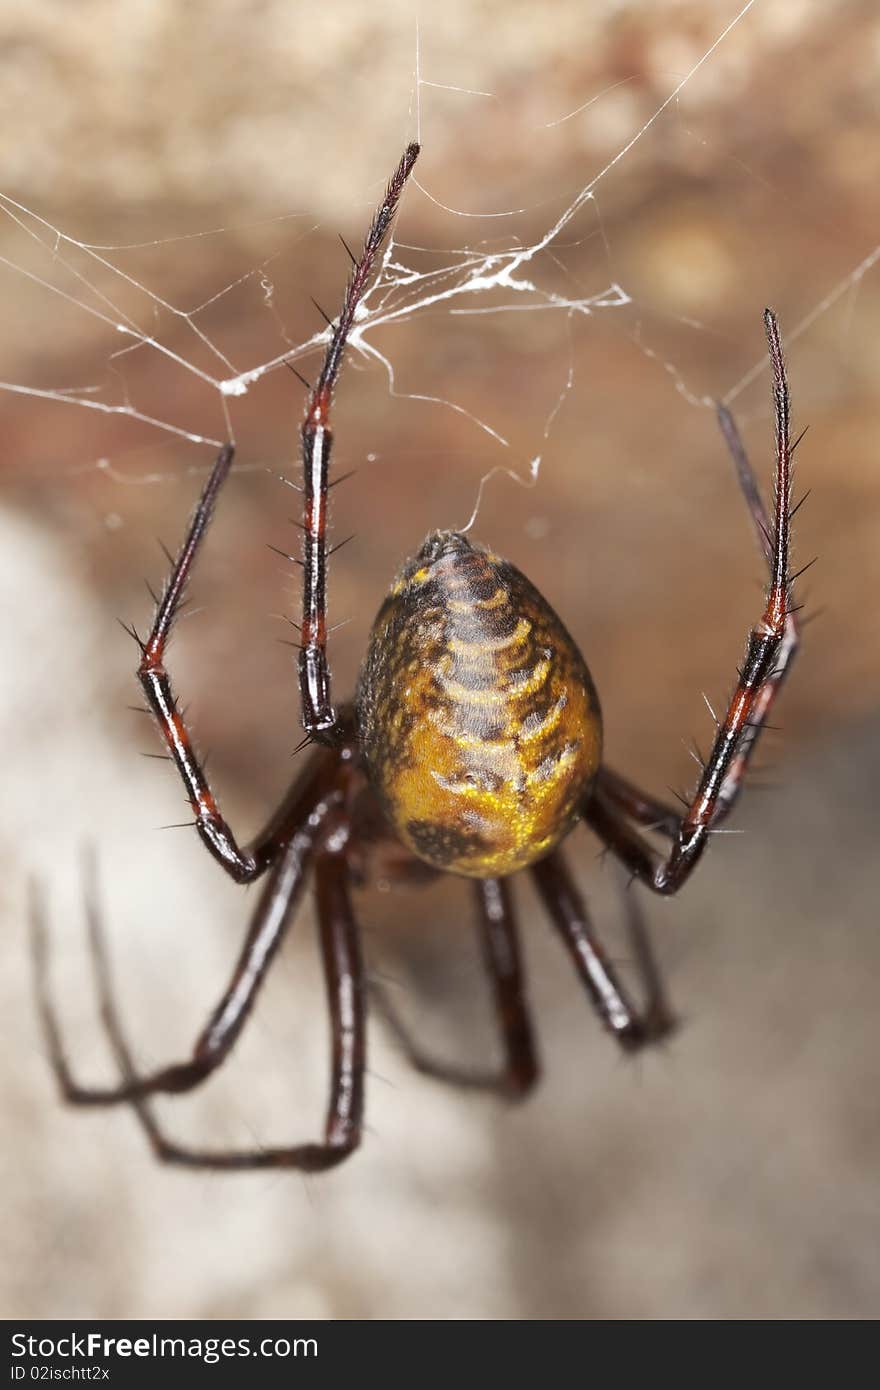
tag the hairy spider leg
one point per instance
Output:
(319, 717)
(499, 944)
(242, 865)
(771, 647)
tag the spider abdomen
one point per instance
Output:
(480, 726)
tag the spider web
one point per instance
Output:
(508, 263)
(87, 286)
(88, 279)
(81, 280)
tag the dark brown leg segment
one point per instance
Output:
(644, 809)
(501, 952)
(269, 923)
(499, 941)
(345, 987)
(566, 907)
(346, 1000)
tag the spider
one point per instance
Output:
(473, 746)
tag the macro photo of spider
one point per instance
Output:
(473, 746)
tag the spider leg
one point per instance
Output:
(242, 865)
(318, 715)
(771, 647)
(499, 940)
(344, 974)
(345, 981)
(644, 809)
(658, 1016)
(247, 864)
(790, 639)
(631, 1028)
(269, 924)
(321, 721)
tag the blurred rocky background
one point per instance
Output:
(213, 153)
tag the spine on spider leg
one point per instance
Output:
(318, 715)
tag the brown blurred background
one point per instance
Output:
(224, 148)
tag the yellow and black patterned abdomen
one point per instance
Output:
(480, 726)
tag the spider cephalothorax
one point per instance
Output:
(474, 746)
